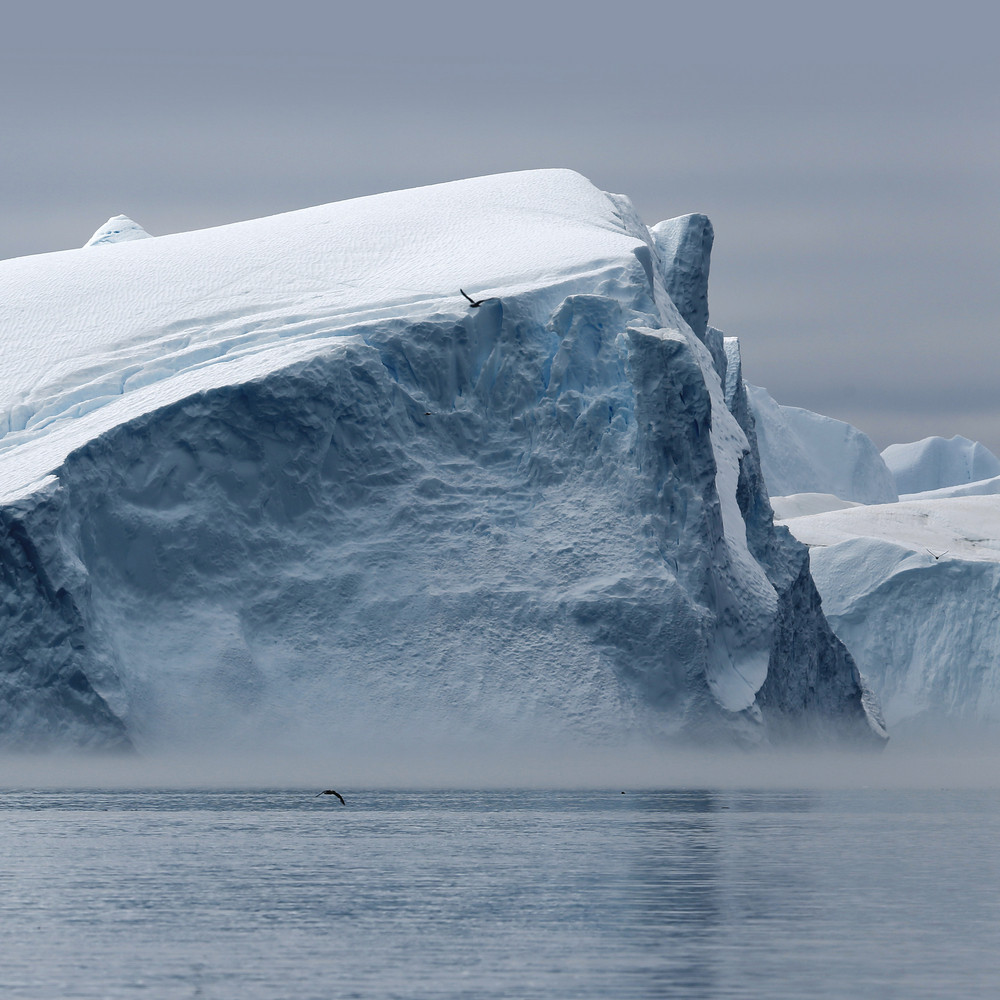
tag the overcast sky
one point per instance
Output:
(848, 154)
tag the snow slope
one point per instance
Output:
(913, 589)
(806, 452)
(277, 482)
(936, 463)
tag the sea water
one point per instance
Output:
(513, 894)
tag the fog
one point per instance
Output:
(947, 764)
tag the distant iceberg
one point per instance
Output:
(911, 587)
(118, 229)
(936, 463)
(806, 452)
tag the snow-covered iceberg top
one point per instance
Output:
(118, 229)
(936, 463)
(92, 340)
(806, 504)
(977, 488)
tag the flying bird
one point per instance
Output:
(330, 791)
(936, 556)
(473, 304)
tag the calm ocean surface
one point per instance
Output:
(277, 894)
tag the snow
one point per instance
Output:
(968, 527)
(276, 481)
(936, 463)
(806, 452)
(118, 229)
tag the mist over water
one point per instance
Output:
(913, 764)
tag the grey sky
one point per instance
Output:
(848, 155)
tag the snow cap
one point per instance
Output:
(118, 229)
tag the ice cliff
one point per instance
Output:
(277, 483)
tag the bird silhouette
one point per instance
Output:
(473, 304)
(330, 791)
(936, 556)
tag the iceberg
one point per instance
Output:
(936, 463)
(118, 229)
(806, 452)
(912, 589)
(279, 484)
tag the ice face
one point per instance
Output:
(281, 481)
(684, 246)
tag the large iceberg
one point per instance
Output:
(280, 483)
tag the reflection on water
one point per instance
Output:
(695, 879)
(676, 893)
(693, 894)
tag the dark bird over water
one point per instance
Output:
(330, 791)
(473, 304)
